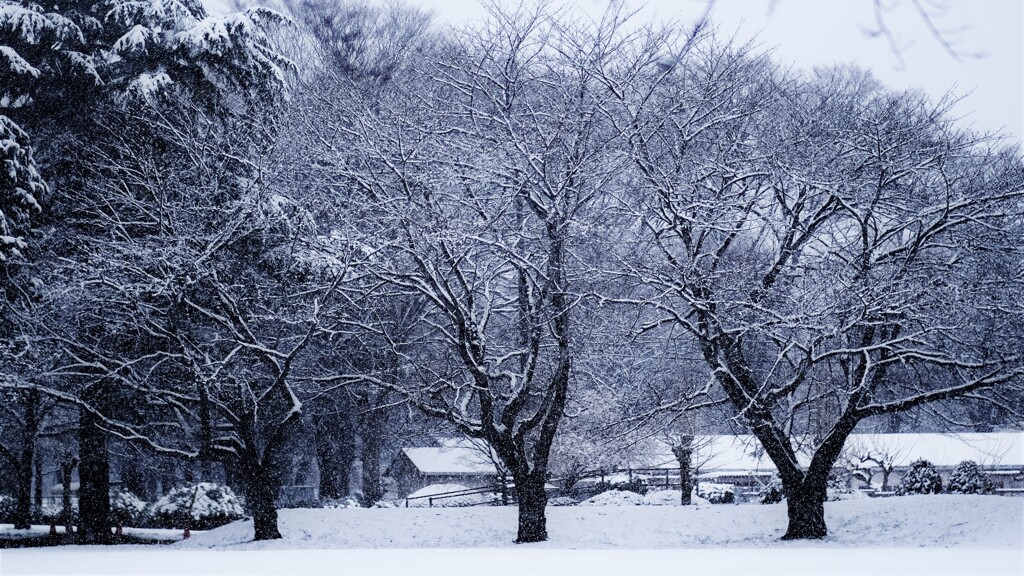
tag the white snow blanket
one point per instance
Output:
(934, 534)
(933, 520)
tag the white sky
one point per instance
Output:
(808, 33)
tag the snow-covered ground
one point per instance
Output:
(942, 534)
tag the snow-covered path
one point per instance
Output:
(913, 535)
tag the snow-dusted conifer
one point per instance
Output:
(969, 478)
(20, 188)
(922, 478)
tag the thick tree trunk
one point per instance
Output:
(373, 488)
(94, 481)
(532, 504)
(262, 480)
(260, 497)
(23, 504)
(330, 477)
(806, 510)
(372, 422)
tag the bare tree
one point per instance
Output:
(480, 171)
(812, 237)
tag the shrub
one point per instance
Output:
(55, 513)
(922, 478)
(772, 492)
(347, 502)
(615, 498)
(212, 506)
(717, 493)
(969, 478)
(636, 485)
(7, 506)
(562, 501)
(127, 508)
(838, 487)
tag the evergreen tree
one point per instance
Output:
(922, 478)
(969, 478)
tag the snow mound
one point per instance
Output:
(342, 503)
(615, 498)
(422, 497)
(664, 498)
(562, 501)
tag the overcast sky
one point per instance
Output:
(808, 33)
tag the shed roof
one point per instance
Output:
(451, 459)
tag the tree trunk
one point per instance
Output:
(262, 480)
(94, 481)
(67, 469)
(23, 504)
(532, 503)
(373, 420)
(260, 497)
(806, 510)
(684, 453)
(37, 499)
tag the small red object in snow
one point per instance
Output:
(187, 533)
(53, 527)
(119, 532)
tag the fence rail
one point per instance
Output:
(451, 494)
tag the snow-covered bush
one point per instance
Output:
(838, 487)
(6, 509)
(922, 478)
(562, 501)
(55, 512)
(347, 502)
(717, 493)
(772, 492)
(615, 498)
(635, 485)
(127, 508)
(385, 504)
(212, 505)
(969, 478)
(664, 498)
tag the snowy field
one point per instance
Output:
(942, 534)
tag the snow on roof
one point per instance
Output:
(451, 458)
(743, 453)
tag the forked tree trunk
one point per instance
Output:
(806, 511)
(261, 479)
(532, 504)
(260, 497)
(94, 485)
